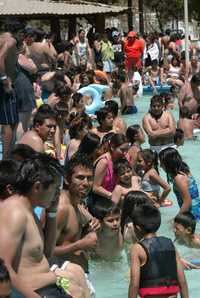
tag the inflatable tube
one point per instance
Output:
(148, 89)
(100, 88)
(96, 99)
(195, 262)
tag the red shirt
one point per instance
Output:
(134, 49)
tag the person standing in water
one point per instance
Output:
(159, 125)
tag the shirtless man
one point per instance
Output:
(72, 217)
(189, 95)
(24, 247)
(159, 125)
(8, 105)
(43, 54)
(44, 127)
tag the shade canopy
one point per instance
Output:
(46, 7)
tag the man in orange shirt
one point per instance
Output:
(133, 48)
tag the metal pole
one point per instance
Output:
(186, 31)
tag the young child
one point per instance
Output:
(179, 137)
(184, 184)
(126, 181)
(126, 94)
(156, 269)
(184, 229)
(135, 136)
(110, 241)
(147, 167)
(186, 123)
(5, 282)
(155, 75)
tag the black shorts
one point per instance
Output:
(52, 291)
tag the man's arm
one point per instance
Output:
(13, 223)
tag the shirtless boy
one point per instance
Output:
(24, 247)
(72, 244)
(126, 180)
(44, 127)
(159, 125)
(110, 240)
(184, 229)
(126, 94)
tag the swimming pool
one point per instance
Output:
(112, 279)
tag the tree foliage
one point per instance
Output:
(165, 10)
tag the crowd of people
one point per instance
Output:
(75, 186)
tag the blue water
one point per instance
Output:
(112, 279)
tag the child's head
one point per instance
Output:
(172, 163)
(132, 200)
(113, 106)
(184, 225)
(146, 219)
(122, 170)
(108, 213)
(105, 117)
(134, 134)
(146, 159)
(5, 282)
(179, 137)
(167, 99)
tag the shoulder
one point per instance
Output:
(13, 211)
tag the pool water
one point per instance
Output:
(111, 279)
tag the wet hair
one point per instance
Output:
(78, 124)
(117, 140)
(104, 207)
(195, 79)
(4, 274)
(112, 106)
(22, 152)
(89, 143)
(107, 137)
(174, 58)
(187, 220)
(173, 163)
(184, 112)
(62, 90)
(102, 114)
(147, 217)
(44, 112)
(120, 165)
(77, 160)
(179, 134)
(151, 157)
(167, 97)
(76, 98)
(42, 168)
(132, 200)
(132, 132)
(8, 176)
(156, 99)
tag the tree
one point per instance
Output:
(165, 10)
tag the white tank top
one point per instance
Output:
(174, 72)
